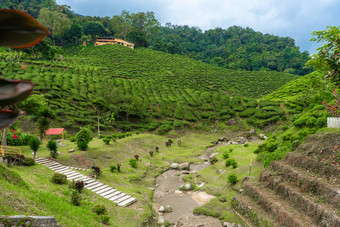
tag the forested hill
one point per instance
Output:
(232, 48)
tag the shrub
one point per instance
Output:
(99, 209)
(75, 198)
(232, 178)
(107, 140)
(73, 139)
(133, 163)
(225, 154)
(231, 162)
(96, 171)
(83, 137)
(213, 160)
(28, 162)
(113, 168)
(246, 145)
(104, 219)
(52, 146)
(59, 178)
(79, 185)
(34, 145)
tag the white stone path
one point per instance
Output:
(91, 184)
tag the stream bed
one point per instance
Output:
(182, 203)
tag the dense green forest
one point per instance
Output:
(233, 48)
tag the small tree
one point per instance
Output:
(232, 179)
(52, 146)
(34, 145)
(83, 137)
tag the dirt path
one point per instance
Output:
(183, 203)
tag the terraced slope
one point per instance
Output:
(167, 87)
(302, 190)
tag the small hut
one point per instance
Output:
(55, 131)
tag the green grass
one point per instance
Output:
(45, 198)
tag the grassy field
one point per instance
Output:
(45, 198)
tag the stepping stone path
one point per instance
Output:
(91, 184)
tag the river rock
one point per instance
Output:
(174, 166)
(213, 155)
(187, 186)
(185, 172)
(161, 209)
(168, 209)
(252, 132)
(262, 136)
(185, 165)
(161, 220)
(222, 171)
(148, 164)
(71, 150)
(228, 224)
(242, 140)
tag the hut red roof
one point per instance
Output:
(54, 131)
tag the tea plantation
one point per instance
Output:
(172, 88)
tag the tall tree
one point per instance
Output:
(94, 29)
(327, 58)
(58, 23)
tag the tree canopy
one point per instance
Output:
(327, 58)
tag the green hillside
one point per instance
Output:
(138, 85)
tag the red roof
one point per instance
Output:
(54, 131)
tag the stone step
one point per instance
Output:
(58, 168)
(108, 192)
(285, 214)
(69, 175)
(88, 180)
(77, 176)
(63, 171)
(100, 192)
(96, 185)
(81, 178)
(308, 184)
(101, 189)
(127, 202)
(112, 195)
(114, 198)
(121, 199)
(52, 164)
(91, 184)
(300, 201)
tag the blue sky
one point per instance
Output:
(292, 18)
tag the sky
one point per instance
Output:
(285, 18)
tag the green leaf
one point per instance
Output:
(20, 30)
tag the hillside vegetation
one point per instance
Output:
(233, 48)
(138, 85)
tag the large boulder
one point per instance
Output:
(174, 166)
(184, 166)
